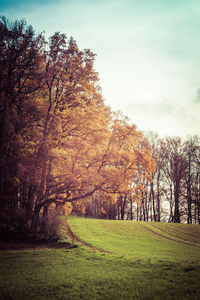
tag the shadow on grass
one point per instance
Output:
(19, 245)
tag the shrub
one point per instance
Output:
(54, 226)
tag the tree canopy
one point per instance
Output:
(60, 143)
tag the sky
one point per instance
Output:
(148, 54)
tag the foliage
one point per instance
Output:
(62, 147)
(54, 226)
(59, 142)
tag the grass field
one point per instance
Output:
(143, 240)
(137, 261)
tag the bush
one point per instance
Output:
(54, 226)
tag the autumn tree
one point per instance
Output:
(122, 163)
(52, 117)
(74, 122)
(20, 77)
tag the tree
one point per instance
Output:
(51, 106)
(191, 149)
(124, 160)
(20, 76)
(61, 147)
(175, 179)
(74, 121)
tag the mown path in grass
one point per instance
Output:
(165, 235)
(160, 241)
(175, 232)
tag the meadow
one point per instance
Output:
(108, 260)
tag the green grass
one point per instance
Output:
(143, 265)
(135, 240)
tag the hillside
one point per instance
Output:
(144, 240)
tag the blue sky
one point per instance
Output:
(148, 54)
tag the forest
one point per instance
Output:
(63, 151)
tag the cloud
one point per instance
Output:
(147, 53)
(165, 117)
(197, 96)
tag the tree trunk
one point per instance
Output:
(153, 202)
(176, 204)
(189, 195)
(131, 209)
(35, 219)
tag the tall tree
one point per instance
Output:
(74, 122)
(20, 77)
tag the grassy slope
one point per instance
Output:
(143, 265)
(168, 242)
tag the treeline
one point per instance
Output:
(61, 146)
(172, 194)
(175, 189)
